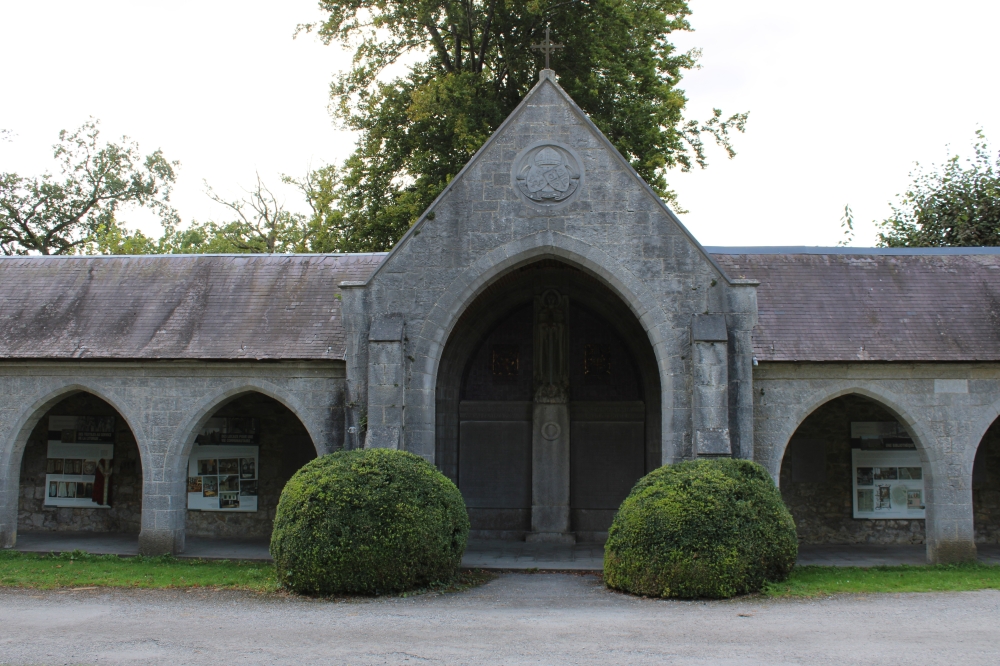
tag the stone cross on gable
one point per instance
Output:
(547, 47)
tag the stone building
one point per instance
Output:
(546, 334)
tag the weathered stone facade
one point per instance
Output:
(740, 351)
(614, 229)
(947, 409)
(165, 405)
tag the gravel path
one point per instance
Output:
(516, 619)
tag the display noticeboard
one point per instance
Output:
(888, 484)
(888, 474)
(78, 446)
(223, 478)
(222, 470)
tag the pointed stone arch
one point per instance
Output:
(169, 523)
(12, 450)
(429, 340)
(944, 529)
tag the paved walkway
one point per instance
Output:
(525, 555)
(497, 555)
(515, 619)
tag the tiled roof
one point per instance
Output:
(176, 307)
(814, 304)
(846, 304)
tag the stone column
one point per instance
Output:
(550, 519)
(164, 508)
(709, 342)
(949, 523)
(9, 486)
(385, 383)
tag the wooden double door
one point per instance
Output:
(607, 427)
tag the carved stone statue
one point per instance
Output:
(551, 347)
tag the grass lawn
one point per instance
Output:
(82, 570)
(77, 569)
(815, 581)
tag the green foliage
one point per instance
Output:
(954, 206)
(79, 209)
(260, 225)
(475, 64)
(703, 528)
(79, 569)
(371, 521)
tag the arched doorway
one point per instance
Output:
(240, 462)
(81, 472)
(986, 488)
(852, 474)
(548, 406)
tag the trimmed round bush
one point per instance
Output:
(703, 528)
(371, 521)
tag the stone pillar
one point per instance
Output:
(710, 416)
(386, 380)
(550, 519)
(950, 529)
(741, 318)
(9, 486)
(550, 474)
(164, 509)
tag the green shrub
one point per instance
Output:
(703, 528)
(371, 521)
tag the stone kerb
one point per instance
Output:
(21, 420)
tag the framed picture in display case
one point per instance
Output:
(887, 484)
(223, 477)
(79, 458)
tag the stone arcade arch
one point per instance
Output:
(245, 498)
(986, 487)
(75, 466)
(817, 474)
(487, 405)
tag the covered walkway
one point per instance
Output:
(497, 555)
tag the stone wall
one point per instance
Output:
(614, 228)
(165, 403)
(822, 505)
(986, 487)
(946, 408)
(285, 447)
(125, 514)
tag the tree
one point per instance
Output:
(262, 225)
(67, 215)
(955, 205)
(417, 131)
(325, 230)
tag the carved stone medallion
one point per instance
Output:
(547, 174)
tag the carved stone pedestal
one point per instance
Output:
(550, 474)
(550, 422)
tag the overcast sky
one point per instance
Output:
(843, 99)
